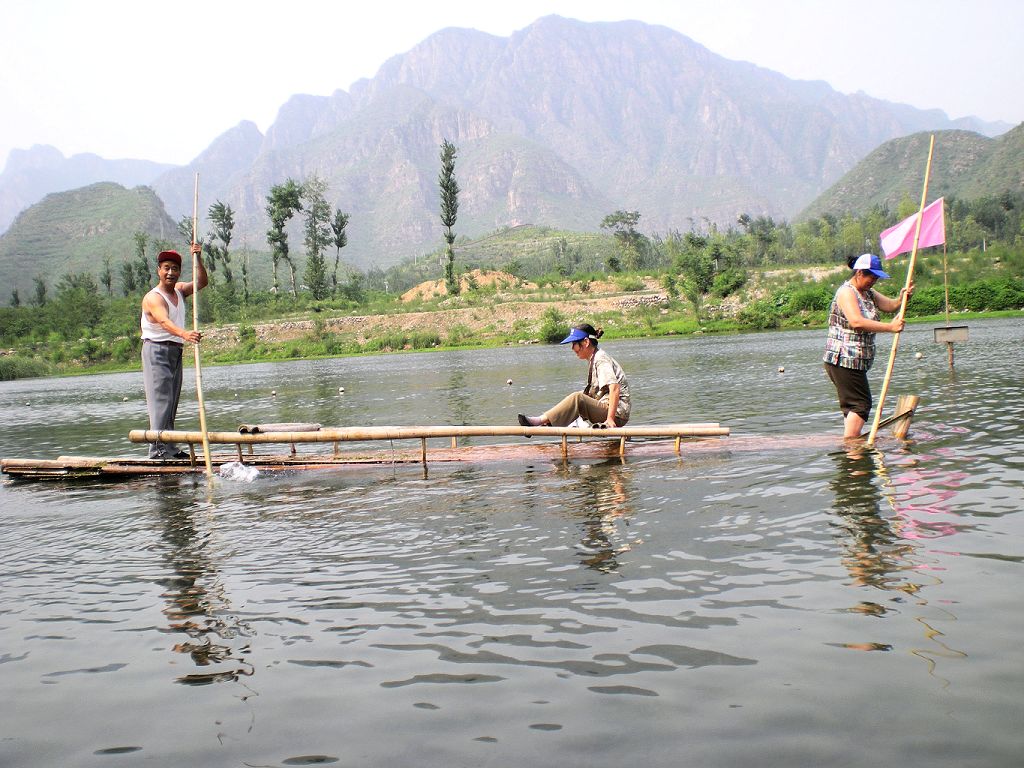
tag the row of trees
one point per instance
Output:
(323, 228)
(751, 242)
(704, 261)
(761, 241)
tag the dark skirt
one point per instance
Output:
(852, 387)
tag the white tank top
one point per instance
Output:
(155, 332)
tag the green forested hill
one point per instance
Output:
(75, 231)
(965, 165)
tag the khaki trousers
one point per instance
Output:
(575, 405)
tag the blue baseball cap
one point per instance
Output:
(575, 334)
(870, 263)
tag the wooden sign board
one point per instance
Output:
(950, 333)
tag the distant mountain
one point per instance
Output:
(74, 231)
(31, 174)
(558, 124)
(964, 164)
(222, 164)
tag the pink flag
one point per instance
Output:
(900, 239)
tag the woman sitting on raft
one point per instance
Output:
(605, 400)
(850, 346)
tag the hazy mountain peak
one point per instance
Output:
(38, 156)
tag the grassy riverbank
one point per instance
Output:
(497, 310)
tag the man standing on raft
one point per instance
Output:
(163, 337)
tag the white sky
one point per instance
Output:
(160, 81)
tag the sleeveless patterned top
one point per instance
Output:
(845, 346)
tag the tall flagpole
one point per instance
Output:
(903, 302)
(195, 327)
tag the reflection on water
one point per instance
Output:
(601, 497)
(197, 604)
(459, 398)
(881, 549)
(877, 553)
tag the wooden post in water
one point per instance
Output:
(905, 407)
(949, 335)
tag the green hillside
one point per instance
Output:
(965, 165)
(70, 232)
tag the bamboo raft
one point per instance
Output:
(608, 442)
(657, 440)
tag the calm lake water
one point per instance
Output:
(772, 601)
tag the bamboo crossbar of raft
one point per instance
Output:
(362, 434)
(357, 434)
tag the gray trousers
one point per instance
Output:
(162, 375)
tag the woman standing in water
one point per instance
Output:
(850, 346)
(605, 400)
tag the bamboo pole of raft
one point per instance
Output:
(195, 327)
(366, 434)
(903, 302)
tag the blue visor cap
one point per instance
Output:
(871, 263)
(574, 335)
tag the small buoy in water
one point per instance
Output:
(781, 369)
(918, 356)
(236, 394)
(124, 399)
(341, 389)
(273, 392)
(509, 382)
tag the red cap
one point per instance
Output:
(169, 256)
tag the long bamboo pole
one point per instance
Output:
(195, 327)
(903, 302)
(359, 434)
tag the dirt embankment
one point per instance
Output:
(498, 315)
(503, 311)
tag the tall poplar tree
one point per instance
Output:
(449, 211)
(144, 271)
(338, 225)
(39, 298)
(107, 276)
(282, 203)
(318, 236)
(223, 220)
